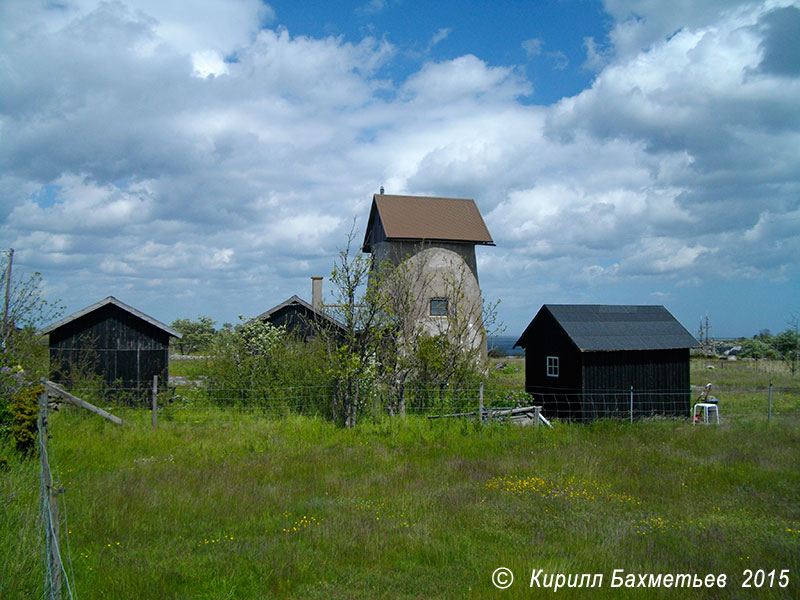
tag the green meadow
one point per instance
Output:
(234, 505)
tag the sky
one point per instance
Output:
(208, 158)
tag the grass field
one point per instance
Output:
(249, 507)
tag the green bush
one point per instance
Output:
(11, 381)
(261, 365)
(24, 413)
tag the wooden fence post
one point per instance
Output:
(769, 410)
(154, 401)
(51, 500)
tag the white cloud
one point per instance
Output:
(558, 59)
(679, 164)
(641, 24)
(373, 7)
(441, 34)
(661, 256)
(85, 206)
(533, 47)
(464, 77)
(208, 62)
(597, 57)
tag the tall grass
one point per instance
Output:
(21, 571)
(412, 508)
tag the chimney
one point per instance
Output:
(316, 293)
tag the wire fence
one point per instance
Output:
(58, 580)
(195, 403)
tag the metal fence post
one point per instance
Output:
(631, 404)
(480, 403)
(154, 401)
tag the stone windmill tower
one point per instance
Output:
(434, 240)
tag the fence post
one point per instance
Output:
(154, 401)
(769, 411)
(537, 412)
(631, 404)
(480, 403)
(49, 503)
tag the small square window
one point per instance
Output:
(438, 307)
(552, 366)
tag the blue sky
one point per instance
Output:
(209, 161)
(544, 39)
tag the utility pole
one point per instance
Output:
(705, 338)
(8, 295)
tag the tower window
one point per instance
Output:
(438, 307)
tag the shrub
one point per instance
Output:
(518, 398)
(261, 365)
(24, 413)
(11, 381)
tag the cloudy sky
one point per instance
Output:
(209, 157)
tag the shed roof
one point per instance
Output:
(596, 327)
(113, 301)
(299, 302)
(427, 218)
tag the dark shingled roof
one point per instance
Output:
(114, 302)
(594, 327)
(300, 303)
(428, 218)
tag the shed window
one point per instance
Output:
(439, 307)
(552, 366)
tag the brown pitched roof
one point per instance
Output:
(427, 218)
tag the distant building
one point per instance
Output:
(435, 238)
(113, 340)
(581, 361)
(298, 316)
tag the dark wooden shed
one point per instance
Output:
(299, 317)
(121, 344)
(583, 361)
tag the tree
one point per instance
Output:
(756, 347)
(197, 335)
(361, 308)
(247, 362)
(401, 288)
(24, 358)
(24, 308)
(259, 364)
(450, 351)
(434, 335)
(389, 337)
(787, 344)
